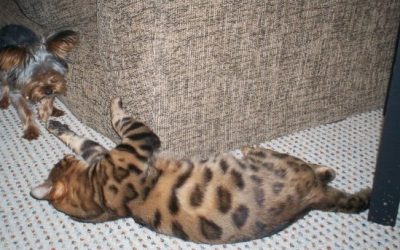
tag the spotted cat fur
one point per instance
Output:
(221, 199)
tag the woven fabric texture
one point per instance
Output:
(210, 75)
(349, 146)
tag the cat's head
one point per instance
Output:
(69, 190)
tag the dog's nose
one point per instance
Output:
(48, 91)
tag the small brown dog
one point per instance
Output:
(33, 70)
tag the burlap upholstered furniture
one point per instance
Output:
(214, 75)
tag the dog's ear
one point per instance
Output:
(62, 42)
(12, 56)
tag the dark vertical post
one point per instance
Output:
(385, 196)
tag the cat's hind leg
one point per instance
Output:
(332, 199)
(90, 151)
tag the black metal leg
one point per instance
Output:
(385, 196)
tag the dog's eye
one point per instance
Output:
(53, 80)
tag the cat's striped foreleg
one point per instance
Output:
(90, 151)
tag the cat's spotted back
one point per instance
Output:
(221, 199)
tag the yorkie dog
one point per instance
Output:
(33, 70)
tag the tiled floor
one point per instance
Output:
(349, 146)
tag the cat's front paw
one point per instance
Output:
(116, 105)
(57, 128)
(117, 112)
(116, 102)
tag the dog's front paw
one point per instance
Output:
(57, 112)
(57, 128)
(31, 133)
(4, 103)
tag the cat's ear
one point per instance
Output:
(42, 192)
(61, 43)
(48, 191)
(12, 57)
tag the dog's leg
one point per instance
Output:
(47, 109)
(31, 130)
(4, 95)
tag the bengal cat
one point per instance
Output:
(221, 199)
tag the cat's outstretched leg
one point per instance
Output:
(136, 136)
(90, 151)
